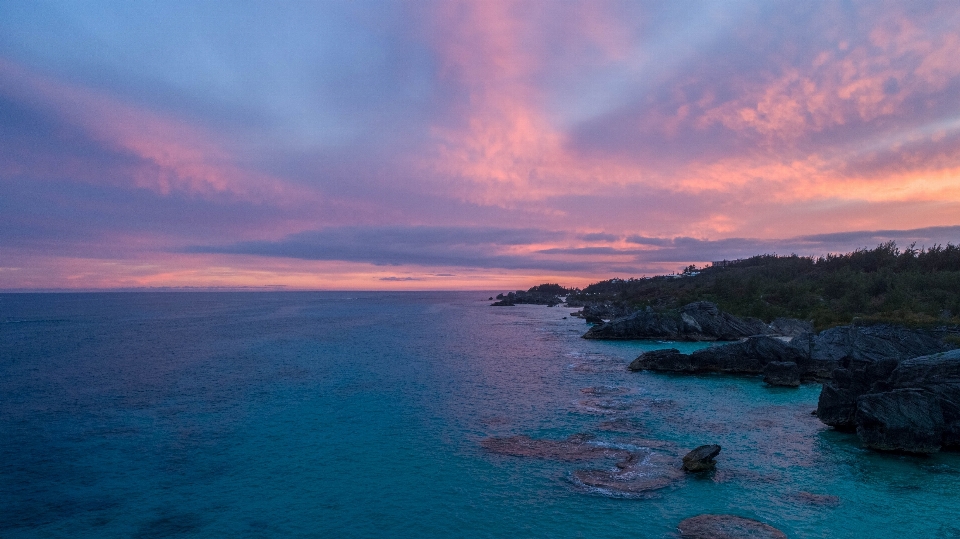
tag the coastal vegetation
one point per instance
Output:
(913, 287)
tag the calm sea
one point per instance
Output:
(362, 415)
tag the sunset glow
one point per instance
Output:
(476, 145)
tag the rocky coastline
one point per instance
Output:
(897, 388)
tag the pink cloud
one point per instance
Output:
(172, 154)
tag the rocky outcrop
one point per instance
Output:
(698, 321)
(910, 405)
(701, 458)
(900, 420)
(864, 344)
(726, 527)
(782, 373)
(526, 298)
(667, 360)
(749, 356)
(863, 357)
(596, 313)
(871, 352)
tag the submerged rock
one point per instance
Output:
(727, 527)
(638, 474)
(701, 458)
(637, 471)
(782, 373)
(574, 447)
(810, 498)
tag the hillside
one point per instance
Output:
(916, 287)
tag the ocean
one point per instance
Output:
(335, 414)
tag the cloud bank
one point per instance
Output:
(508, 140)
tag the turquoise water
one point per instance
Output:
(362, 415)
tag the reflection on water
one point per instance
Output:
(427, 415)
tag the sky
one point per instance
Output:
(479, 145)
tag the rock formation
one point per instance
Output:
(727, 527)
(896, 404)
(816, 357)
(698, 321)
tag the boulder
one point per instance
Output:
(782, 373)
(701, 458)
(727, 527)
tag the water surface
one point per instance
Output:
(362, 415)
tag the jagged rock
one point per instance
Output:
(865, 356)
(782, 373)
(900, 420)
(938, 374)
(727, 527)
(898, 405)
(698, 321)
(701, 458)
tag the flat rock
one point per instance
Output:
(701, 458)
(640, 473)
(727, 527)
(575, 447)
